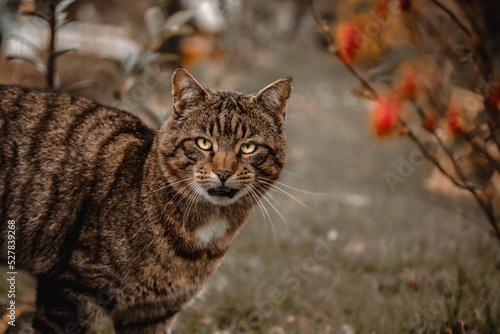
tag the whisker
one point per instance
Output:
(192, 200)
(257, 193)
(275, 209)
(292, 173)
(261, 206)
(177, 202)
(276, 188)
(267, 193)
(268, 201)
(189, 202)
(293, 188)
(168, 185)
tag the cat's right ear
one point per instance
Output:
(186, 90)
(273, 98)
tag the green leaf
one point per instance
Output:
(182, 31)
(130, 61)
(57, 53)
(61, 6)
(32, 46)
(164, 58)
(176, 21)
(80, 85)
(38, 64)
(154, 18)
(155, 58)
(63, 23)
(32, 61)
(61, 19)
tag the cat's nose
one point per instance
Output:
(223, 174)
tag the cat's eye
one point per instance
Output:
(204, 144)
(248, 148)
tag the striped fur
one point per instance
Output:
(115, 218)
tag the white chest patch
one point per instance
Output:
(211, 231)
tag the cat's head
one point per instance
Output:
(222, 146)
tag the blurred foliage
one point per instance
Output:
(56, 17)
(132, 67)
(434, 75)
(432, 70)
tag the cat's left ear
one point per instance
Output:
(273, 98)
(187, 91)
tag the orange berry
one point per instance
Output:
(408, 87)
(385, 115)
(454, 120)
(494, 98)
(350, 41)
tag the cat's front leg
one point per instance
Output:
(162, 327)
(61, 309)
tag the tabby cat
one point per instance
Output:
(115, 218)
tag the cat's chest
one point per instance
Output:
(189, 263)
(212, 231)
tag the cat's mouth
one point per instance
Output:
(222, 192)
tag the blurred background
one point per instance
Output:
(360, 236)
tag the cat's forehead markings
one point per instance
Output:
(211, 231)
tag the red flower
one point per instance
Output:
(408, 86)
(430, 122)
(404, 5)
(350, 41)
(385, 115)
(494, 98)
(454, 120)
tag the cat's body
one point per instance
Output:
(114, 217)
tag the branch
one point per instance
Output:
(452, 16)
(466, 136)
(459, 171)
(493, 116)
(323, 28)
(431, 158)
(485, 206)
(493, 121)
(485, 62)
(436, 34)
(51, 62)
(494, 162)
